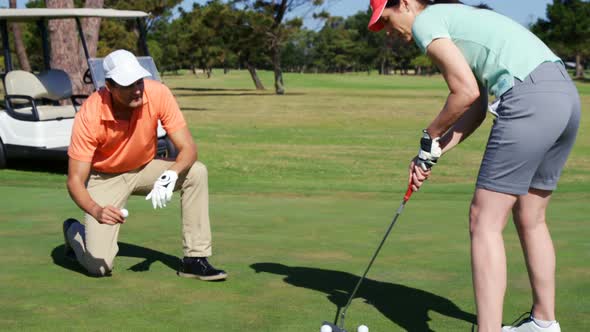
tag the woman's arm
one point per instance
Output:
(467, 124)
(464, 90)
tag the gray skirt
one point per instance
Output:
(533, 134)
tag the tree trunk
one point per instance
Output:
(281, 9)
(254, 75)
(276, 64)
(65, 48)
(579, 67)
(21, 51)
(91, 27)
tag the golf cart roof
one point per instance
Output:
(55, 13)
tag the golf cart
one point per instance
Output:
(35, 122)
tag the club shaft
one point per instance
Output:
(358, 284)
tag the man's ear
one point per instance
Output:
(108, 86)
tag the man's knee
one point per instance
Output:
(197, 173)
(99, 267)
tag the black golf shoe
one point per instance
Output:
(199, 268)
(68, 250)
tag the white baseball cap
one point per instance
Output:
(122, 67)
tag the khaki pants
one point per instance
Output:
(96, 245)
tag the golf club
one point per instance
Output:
(340, 327)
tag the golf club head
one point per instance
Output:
(334, 327)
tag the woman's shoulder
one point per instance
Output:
(447, 9)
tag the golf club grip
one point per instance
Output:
(409, 193)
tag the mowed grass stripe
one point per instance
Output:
(302, 188)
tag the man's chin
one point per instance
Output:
(135, 103)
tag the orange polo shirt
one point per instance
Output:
(114, 146)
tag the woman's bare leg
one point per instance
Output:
(487, 218)
(529, 218)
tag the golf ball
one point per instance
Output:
(362, 328)
(125, 213)
(326, 328)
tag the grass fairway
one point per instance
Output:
(302, 188)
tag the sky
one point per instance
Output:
(522, 11)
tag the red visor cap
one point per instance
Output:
(377, 6)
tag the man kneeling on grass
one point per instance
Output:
(112, 157)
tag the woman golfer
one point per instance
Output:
(537, 110)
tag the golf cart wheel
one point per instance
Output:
(87, 77)
(166, 149)
(171, 151)
(2, 155)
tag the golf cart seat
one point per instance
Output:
(59, 86)
(33, 98)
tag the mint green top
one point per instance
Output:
(496, 48)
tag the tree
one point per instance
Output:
(335, 46)
(21, 51)
(32, 39)
(278, 31)
(159, 10)
(162, 43)
(373, 50)
(248, 41)
(297, 54)
(403, 53)
(218, 33)
(199, 42)
(567, 30)
(422, 62)
(91, 27)
(66, 51)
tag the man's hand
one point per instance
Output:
(429, 152)
(109, 215)
(163, 189)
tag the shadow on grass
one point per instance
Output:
(54, 166)
(125, 249)
(194, 109)
(405, 306)
(212, 89)
(226, 92)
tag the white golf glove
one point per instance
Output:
(429, 152)
(163, 189)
